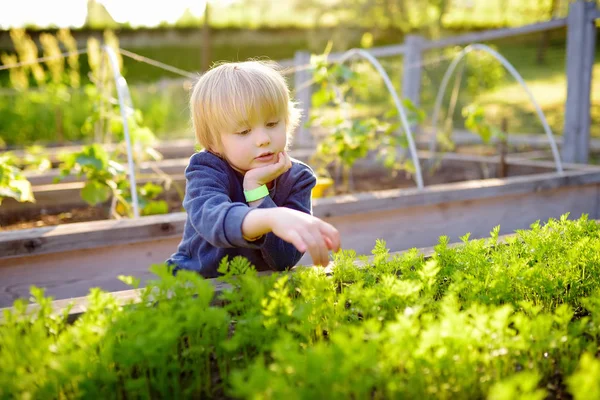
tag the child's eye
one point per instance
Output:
(245, 132)
(272, 124)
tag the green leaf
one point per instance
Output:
(22, 186)
(155, 207)
(130, 280)
(321, 98)
(151, 190)
(93, 156)
(95, 193)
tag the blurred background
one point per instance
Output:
(193, 34)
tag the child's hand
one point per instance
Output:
(306, 233)
(260, 176)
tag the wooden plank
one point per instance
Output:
(179, 147)
(72, 273)
(400, 198)
(104, 233)
(422, 225)
(84, 235)
(64, 196)
(536, 140)
(377, 52)
(303, 94)
(411, 72)
(496, 34)
(580, 59)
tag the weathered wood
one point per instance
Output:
(340, 206)
(72, 273)
(453, 168)
(411, 72)
(378, 52)
(302, 93)
(536, 140)
(580, 62)
(85, 235)
(495, 34)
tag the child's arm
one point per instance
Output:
(294, 229)
(298, 229)
(210, 208)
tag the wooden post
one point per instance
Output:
(503, 144)
(581, 40)
(411, 78)
(303, 92)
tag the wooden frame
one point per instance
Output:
(68, 260)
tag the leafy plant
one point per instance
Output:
(348, 138)
(518, 318)
(108, 179)
(475, 121)
(13, 183)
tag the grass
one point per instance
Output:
(549, 87)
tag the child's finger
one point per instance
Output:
(294, 238)
(330, 244)
(317, 247)
(331, 234)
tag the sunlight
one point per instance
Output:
(43, 13)
(138, 13)
(72, 13)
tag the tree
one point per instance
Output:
(551, 14)
(98, 17)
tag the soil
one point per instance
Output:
(82, 214)
(73, 215)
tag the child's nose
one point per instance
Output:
(262, 138)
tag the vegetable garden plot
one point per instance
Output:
(481, 320)
(368, 175)
(68, 260)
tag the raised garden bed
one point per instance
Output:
(512, 317)
(61, 203)
(67, 260)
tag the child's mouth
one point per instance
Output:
(265, 157)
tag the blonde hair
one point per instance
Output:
(238, 94)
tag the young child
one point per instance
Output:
(244, 194)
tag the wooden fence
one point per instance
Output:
(580, 45)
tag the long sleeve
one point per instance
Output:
(278, 253)
(211, 211)
(216, 207)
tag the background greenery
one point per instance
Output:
(266, 31)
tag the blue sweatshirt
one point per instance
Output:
(215, 205)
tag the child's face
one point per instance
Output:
(249, 147)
